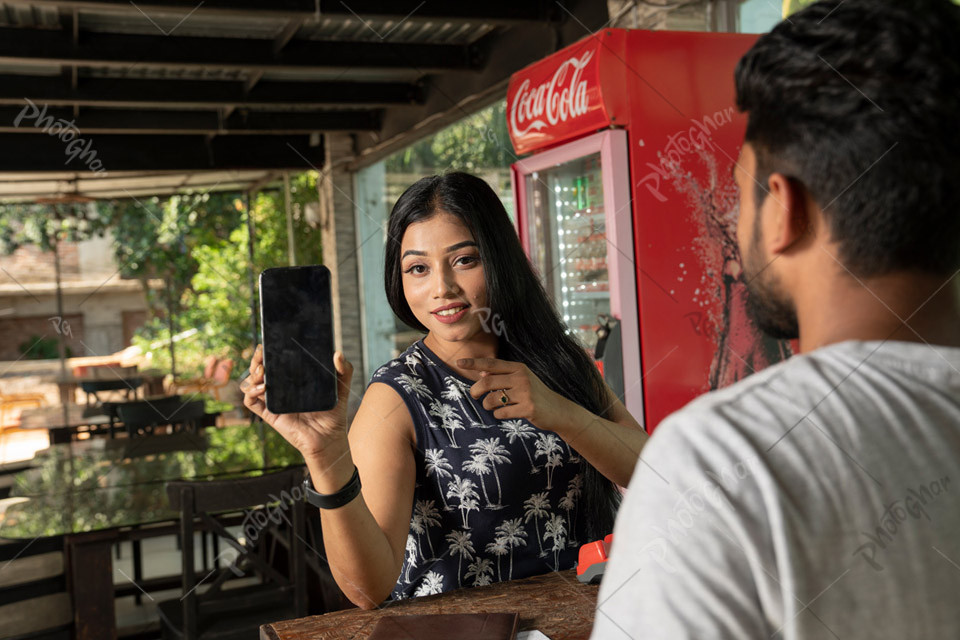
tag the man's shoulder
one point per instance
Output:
(738, 406)
(816, 382)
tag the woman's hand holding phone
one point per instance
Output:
(315, 435)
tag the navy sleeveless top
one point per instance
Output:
(494, 499)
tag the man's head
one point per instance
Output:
(851, 161)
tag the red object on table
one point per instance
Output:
(593, 557)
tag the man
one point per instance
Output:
(819, 497)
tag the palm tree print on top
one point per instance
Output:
(494, 499)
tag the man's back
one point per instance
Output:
(815, 499)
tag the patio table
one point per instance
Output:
(65, 421)
(96, 496)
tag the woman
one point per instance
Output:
(489, 450)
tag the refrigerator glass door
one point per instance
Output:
(575, 221)
(567, 241)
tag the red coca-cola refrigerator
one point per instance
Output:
(627, 208)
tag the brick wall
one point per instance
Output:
(29, 264)
(132, 320)
(16, 331)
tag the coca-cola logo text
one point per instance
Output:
(562, 98)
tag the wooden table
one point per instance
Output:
(555, 603)
(151, 380)
(63, 421)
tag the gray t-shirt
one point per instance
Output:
(815, 499)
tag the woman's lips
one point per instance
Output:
(450, 319)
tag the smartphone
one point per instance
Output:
(296, 323)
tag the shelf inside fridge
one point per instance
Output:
(568, 232)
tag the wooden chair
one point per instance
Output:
(34, 603)
(221, 377)
(110, 409)
(218, 613)
(142, 420)
(93, 387)
(212, 384)
(198, 385)
(146, 416)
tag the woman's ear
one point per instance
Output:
(785, 214)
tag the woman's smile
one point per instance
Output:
(451, 313)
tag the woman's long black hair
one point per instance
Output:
(532, 332)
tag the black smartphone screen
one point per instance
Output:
(296, 319)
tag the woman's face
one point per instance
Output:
(443, 277)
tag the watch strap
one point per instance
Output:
(333, 500)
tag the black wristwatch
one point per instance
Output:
(333, 500)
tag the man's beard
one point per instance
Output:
(770, 308)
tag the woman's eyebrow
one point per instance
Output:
(460, 245)
(453, 247)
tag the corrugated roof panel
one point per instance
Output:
(185, 24)
(18, 15)
(32, 69)
(166, 73)
(401, 31)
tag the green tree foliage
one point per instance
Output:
(198, 244)
(44, 225)
(40, 348)
(479, 141)
(156, 238)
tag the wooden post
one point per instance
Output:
(251, 239)
(90, 582)
(291, 247)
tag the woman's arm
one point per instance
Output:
(611, 446)
(365, 540)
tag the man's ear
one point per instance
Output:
(785, 216)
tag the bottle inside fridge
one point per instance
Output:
(568, 242)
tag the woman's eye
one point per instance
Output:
(414, 269)
(467, 259)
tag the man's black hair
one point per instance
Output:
(859, 101)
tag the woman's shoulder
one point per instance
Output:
(411, 364)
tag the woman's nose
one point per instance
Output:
(446, 283)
